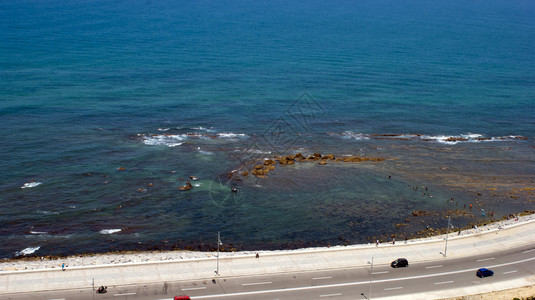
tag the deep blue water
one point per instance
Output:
(85, 84)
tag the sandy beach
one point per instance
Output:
(35, 263)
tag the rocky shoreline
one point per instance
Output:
(133, 257)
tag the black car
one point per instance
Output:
(400, 263)
(483, 272)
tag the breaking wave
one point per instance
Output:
(110, 231)
(443, 139)
(178, 136)
(30, 184)
(27, 251)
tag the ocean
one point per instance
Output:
(108, 107)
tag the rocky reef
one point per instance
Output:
(261, 170)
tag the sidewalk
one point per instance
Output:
(485, 241)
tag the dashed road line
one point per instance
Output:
(320, 278)
(485, 259)
(194, 288)
(394, 288)
(257, 283)
(124, 294)
(444, 282)
(509, 272)
(432, 267)
(382, 272)
(330, 295)
(527, 251)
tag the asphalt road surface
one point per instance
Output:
(349, 283)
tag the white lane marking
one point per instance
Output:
(195, 288)
(444, 282)
(303, 288)
(527, 251)
(58, 299)
(484, 259)
(124, 294)
(330, 295)
(432, 267)
(394, 288)
(382, 272)
(510, 272)
(319, 278)
(257, 283)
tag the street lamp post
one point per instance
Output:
(218, 244)
(371, 273)
(447, 233)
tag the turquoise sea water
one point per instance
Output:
(172, 89)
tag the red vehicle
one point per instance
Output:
(182, 298)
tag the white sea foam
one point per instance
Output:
(110, 231)
(38, 232)
(204, 151)
(443, 139)
(201, 128)
(173, 140)
(254, 151)
(355, 135)
(169, 140)
(27, 251)
(230, 135)
(47, 212)
(30, 184)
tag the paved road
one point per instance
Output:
(348, 283)
(312, 275)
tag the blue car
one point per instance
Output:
(483, 272)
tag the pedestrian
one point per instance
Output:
(377, 243)
(257, 255)
(63, 266)
(393, 241)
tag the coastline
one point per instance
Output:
(140, 257)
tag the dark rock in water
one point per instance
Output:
(269, 162)
(328, 156)
(186, 187)
(286, 160)
(259, 172)
(456, 139)
(419, 213)
(359, 159)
